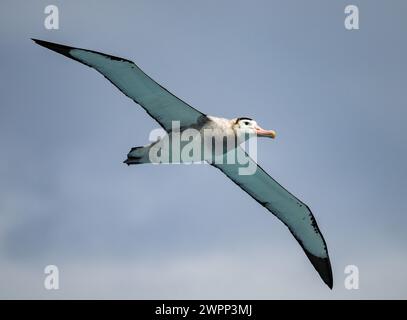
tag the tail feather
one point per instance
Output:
(137, 155)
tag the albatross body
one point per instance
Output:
(166, 109)
(210, 139)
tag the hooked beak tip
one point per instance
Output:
(273, 134)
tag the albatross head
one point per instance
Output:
(250, 126)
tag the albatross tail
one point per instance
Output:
(138, 155)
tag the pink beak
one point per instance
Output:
(265, 133)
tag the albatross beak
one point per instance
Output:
(265, 133)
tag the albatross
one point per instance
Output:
(166, 108)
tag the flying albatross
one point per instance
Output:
(166, 108)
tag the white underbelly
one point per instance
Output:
(191, 146)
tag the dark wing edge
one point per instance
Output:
(321, 265)
(64, 50)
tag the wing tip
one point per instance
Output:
(323, 267)
(60, 48)
(65, 50)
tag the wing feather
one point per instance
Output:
(159, 103)
(295, 214)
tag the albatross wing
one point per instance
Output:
(291, 211)
(159, 103)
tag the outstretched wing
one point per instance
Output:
(291, 211)
(159, 103)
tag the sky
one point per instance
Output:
(337, 99)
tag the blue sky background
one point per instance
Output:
(336, 98)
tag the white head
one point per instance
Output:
(246, 125)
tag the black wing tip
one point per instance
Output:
(323, 266)
(60, 48)
(64, 50)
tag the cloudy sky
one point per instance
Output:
(336, 98)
